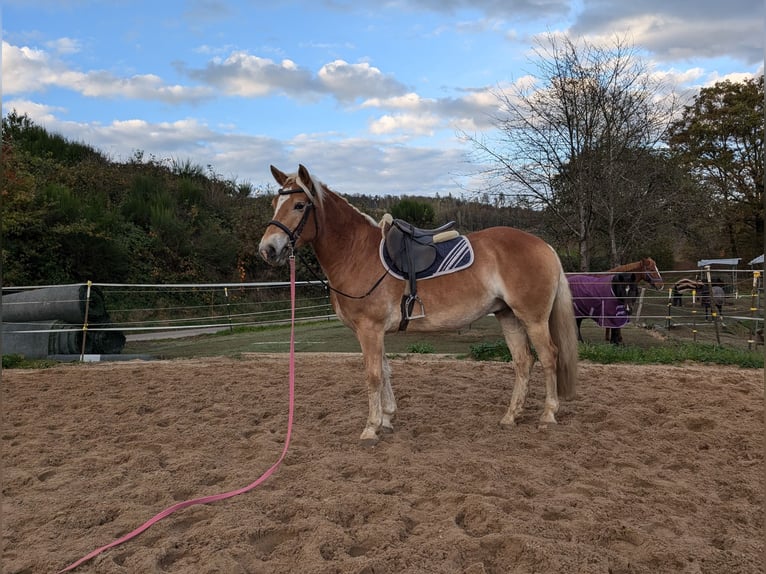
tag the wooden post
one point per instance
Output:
(85, 321)
(754, 312)
(713, 308)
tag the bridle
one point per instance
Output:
(649, 272)
(294, 234)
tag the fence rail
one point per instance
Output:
(147, 309)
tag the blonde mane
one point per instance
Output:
(322, 189)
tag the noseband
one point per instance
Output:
(649, 272)
(294, 234)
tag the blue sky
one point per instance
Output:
(371, 96)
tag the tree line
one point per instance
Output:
(70, 214)
(606, 193)
(620, 166)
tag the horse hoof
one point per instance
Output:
(547, 419)
(387, 430)
(369, 438)
(507, 423)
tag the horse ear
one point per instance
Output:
(305, 178)
(280, 177)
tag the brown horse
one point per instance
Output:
(514, 275)
(645, 270)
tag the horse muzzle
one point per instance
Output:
(273, 252)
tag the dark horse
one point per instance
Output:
(607, 299)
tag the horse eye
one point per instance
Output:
(299, 206)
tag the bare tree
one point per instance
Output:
(569, 140)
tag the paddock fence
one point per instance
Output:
(83, 320)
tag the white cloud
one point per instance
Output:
(348, 82)
(412, 124)
(681, 29)
(27, 70)
(242, 74)
(64, 46)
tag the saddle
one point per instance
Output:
(413, 250)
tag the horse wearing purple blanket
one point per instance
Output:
(607, 299)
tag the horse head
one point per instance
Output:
(651, 273)
(625, 289)
(294, 205)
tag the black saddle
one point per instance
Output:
(413, 250)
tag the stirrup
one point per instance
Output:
(409, 307)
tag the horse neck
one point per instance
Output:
(628, 267)
(345, 237)
(637, 267)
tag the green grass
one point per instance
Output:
(673, 353)
(481, 341)
(14, 361)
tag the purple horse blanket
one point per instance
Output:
(593, 299)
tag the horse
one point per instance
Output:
(607, 299)
(514, 275)
(714, 295)
(709, 295)
(646, 270)
(683, 286)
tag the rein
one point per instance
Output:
(224, 495)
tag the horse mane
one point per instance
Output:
(321, 192)
(634, 265)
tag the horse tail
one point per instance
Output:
(564, 333)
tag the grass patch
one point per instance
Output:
(422, 348)
(669, 353)
(14, 361)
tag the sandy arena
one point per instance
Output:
(652, 469)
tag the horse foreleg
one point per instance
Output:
(372, 351)
(518, 344)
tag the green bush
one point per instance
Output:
(422, 348)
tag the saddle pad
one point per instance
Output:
(451, 255)
(593, 298)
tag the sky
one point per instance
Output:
(373, 97)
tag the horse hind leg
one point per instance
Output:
(540, 336)
(387, 397)
(518, 345)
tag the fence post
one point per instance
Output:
(85, 321)
(694, 315)
(711, 302)
(228, 308)
(640, 306)
(754, 311)
(670, 303)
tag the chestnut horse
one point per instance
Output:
(515, 275)
(645, 270)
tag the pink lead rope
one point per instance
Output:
(225, 495)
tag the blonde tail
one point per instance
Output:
(564, 333)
